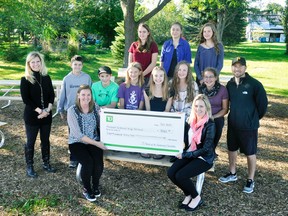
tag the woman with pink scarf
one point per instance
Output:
(198, 155)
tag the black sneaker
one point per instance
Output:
(97, 193)
(249, 187)
(89, 197)
(73, 164)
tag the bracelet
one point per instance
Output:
(46, 110)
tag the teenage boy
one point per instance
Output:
(105, 91)
(248, 104)
(70, 85)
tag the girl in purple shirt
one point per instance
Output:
(218, 97)
(210, 52)
(130, 92)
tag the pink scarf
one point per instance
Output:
(197, 128)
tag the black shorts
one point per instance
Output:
(245, 140)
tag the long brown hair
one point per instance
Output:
(91, 103)
(189, 81)
(164, 84)
(147, 46)
(214, 36)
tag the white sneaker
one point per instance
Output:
(229, 177)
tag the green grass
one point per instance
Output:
(265, 61)
(34, 205)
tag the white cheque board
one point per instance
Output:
(142, 131)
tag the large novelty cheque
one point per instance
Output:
(142, 131)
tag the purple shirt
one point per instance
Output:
(183, 52)
(208, 58)
(132, 96)
(216, 101)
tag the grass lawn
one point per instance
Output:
(138, 189)
(265, 61)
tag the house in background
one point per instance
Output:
(265, 29)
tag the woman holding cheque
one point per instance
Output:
(198, 156)
(83, 121)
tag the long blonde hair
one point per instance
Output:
(28, 71)
(138, 66)
(164, 84)
(206, 101)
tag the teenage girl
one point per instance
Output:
(157, 97)
(210, 52)
(183, 89)
(144, 51)
(175, 50)
(130, 92)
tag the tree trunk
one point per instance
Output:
(220, 25)
(128, 7)
(130, 25)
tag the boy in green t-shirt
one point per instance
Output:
(105, 91)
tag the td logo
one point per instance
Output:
(109, 118)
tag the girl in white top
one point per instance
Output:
(183, 89)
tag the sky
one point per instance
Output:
(263, 3)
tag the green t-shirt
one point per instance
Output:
(105, 95)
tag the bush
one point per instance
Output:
(13, 53)
(71, 51)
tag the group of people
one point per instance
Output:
(169, 87)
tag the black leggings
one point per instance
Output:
(182, 170)
(91, 159)
(219, 123)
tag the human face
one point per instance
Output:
(209, 79)
(175, 31)
(207, 33)
(238, 70)
(35, 64)
(200, 109)
(105, 78)
(143, 33)
(182, 71)
(85, 97)
(134, 74)
(158, 77)
(76, 66)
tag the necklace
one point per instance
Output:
(41, 90)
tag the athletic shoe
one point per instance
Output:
(89, 197)
(73, 164)
(97, 193)
(229, 177)
(249, 187)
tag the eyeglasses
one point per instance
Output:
(209, 77)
